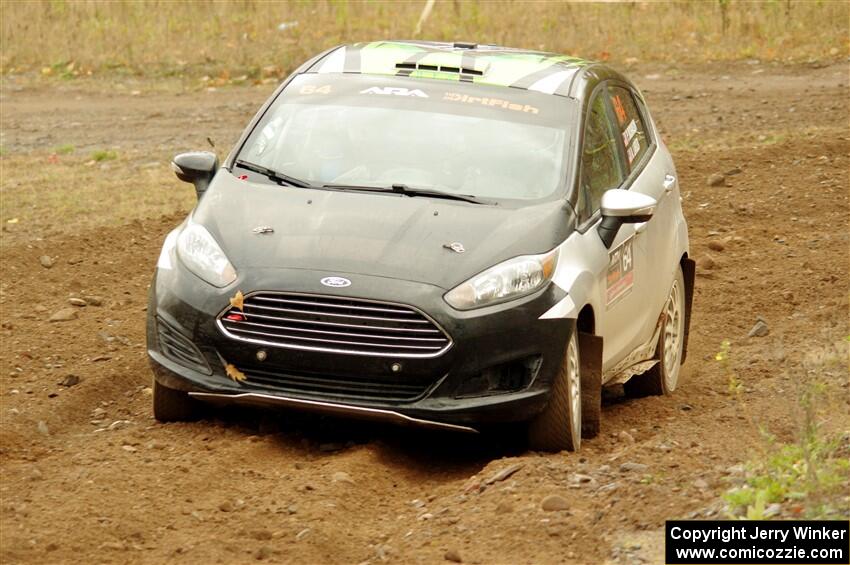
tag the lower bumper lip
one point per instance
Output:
(328, 408)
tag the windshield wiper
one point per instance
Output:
(408, 191)
(271, 174)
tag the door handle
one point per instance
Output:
(668, 184)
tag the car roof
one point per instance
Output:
(538, 71)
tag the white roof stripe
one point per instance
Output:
(334, 63)
(549, 84)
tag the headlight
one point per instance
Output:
(202, 255)
(514, 278)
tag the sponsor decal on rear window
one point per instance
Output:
(492, 102)
(396, 91)
(621, 274)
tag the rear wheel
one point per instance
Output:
(558, 427)
(663, 378)
(170, 405)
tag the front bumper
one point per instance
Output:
(459, 387)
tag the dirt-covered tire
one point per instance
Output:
(663, 378)
(170, 405)
(558, 427)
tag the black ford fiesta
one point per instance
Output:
(381, 243)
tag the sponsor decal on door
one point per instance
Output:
(621, 274)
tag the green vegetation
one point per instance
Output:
(104, 155)
(246, 40)
(64, 149)
(807, 478)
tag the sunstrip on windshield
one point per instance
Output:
(541, 72)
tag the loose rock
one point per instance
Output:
(93, 300)
(553, 503)
(69, 381)
(46, 261)
(626, 437)
(77, 302)
(706, 263)
(453, 555)
(64, 315)
(715, 245)
(761, 329)
(716, 180)
(226, 506)
(630, 467)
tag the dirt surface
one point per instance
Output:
(89, 476)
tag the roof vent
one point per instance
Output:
(464, 45)
(438, 68)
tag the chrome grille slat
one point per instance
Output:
(331, 305)
(336, 315)
(382, 328)
(372, 336)
(335, 341)
(334, 324)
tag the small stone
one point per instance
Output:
(263, 553)
(579, 478)
(761, 329)
(733, 171)
(630, 467)
(93, 300)
(262, 535)
(553, 503)
(738, 469)
(42, 427)
(715, 245)
(701, 484)
(118, 424)
(453, 555)
(716, 180)
(98, 412)
(302, 534)
(69, 381)
(772, 510)
(706, 263)
(504, 507)
(64, 315)
(626, 437)
(226, 506)
(129, 448)
(77, 302)
(46, 261)
(342, 477)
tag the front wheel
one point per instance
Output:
(663, 378)
(558, 427)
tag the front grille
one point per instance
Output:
(336, 325)
(179, 348)
(342, 387)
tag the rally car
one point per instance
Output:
(442, 234)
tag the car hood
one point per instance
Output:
(383, 235)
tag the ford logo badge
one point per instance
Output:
(336, 282)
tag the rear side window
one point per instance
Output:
(601, 167)
(631, 125)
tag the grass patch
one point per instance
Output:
(104, 155)
(70, 195)
(64, 149)
(806, 478)
(245, 39)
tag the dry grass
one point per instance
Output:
(46, 195)
(241, 37)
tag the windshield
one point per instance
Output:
(366, 131)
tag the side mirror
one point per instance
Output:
(197, 167)
(623, 207)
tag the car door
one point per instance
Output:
(648, 173)
(621, 270)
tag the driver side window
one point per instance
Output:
(601, 160)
